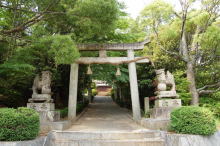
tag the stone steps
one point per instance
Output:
(110, 138)
(125, 142)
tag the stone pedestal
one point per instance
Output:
(168, 103)
(163, 108)
(166, 94)
(40, 98)
(161, 112)
(46, 111)
(49, 116)
(41, 107)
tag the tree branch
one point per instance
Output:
(209, 86)
(38, 17)
(208, 91)
(204, 91)
(23, 26)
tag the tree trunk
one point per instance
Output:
(192, 83)
(189, 69)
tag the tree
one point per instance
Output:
(181, 37)
(38, 35)
(190, 49)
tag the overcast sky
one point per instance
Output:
(135, 6)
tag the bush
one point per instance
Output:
(212, 102)
(18, 124)
(193, 120)
(64, 112)
(79, 108)
(94, 92)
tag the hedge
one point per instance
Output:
(193, 120)
(18, 124)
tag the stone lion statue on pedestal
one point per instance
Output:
(42, 83)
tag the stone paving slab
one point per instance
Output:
(105, 115)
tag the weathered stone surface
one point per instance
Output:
(49, 116)
(165, 80)
(105, 138)
(192, 140)
(168, 103)
(146, 105)
(123, 46)
(36, 142)
(40, 97)
(155, 124)
(134, 87)
(58, 125)
(42, 83)
(166, 94)
(41, 106)
(73, 86)
(161, 112)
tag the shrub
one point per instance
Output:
(94, 92)
(64, 112)
(18, 124)
(193, 120)
(81, 106)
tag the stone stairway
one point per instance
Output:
(105, 138)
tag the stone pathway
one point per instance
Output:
(105, 115)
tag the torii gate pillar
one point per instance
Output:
(134, 87)
(73, 87)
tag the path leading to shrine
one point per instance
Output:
(104, 115)
(105, 124)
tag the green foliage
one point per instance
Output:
(94, 92)
(156, 14)
(210, 39)
(64, 112)
(18, 124)
(94, 18)
(63, 49)
(193, 120)
(182, 87)
(212, 102)
(60, 49)
(79, 108)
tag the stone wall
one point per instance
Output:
(170, 140)
(192, 140)
(36, 142)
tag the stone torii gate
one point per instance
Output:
(131, 60)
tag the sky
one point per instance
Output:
(135, 6)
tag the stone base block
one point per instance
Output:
(41, 98)
(161, 112)
(166, 94)
(59, 125)
(42, 106)
(49, 116)
(168, 103)
(155, 124)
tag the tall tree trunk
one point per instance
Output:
(192, 83)
(189, 69)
